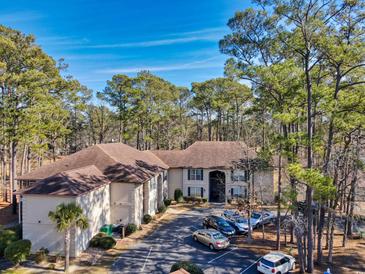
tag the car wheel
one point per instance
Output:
(195, 238)
(211, 247)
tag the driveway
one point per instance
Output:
(172, 242)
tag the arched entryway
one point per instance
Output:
(217, 186)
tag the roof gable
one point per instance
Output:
(207, 154)
(118, 162)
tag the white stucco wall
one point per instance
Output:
(264, 185)
(262, 180)
(96, 207)
(129, 202)
(122, 202)
(38, 228)
(175, 181)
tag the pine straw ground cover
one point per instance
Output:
(346, 260)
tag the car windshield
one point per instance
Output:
(241, 221)
(267, 263)
(218, 236)
(222, 223)
(255, 216)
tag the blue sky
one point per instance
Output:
(175, 39)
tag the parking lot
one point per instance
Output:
(172, 242)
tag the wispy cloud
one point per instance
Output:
(62, 41)
(207, 63)
(208, 34)
(154, 43)
(19, 16)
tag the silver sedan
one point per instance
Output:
(212, 238)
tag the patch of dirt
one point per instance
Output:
(350, 259)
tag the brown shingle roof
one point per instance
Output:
(70, 183)
(204, 154)
(118, 162)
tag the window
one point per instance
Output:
(195, 174)
(195, 191)
(240, 175)
(239, 191)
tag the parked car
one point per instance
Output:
(267, 217)
(276, 262)
(256, 219)
(212, 238)
(230, 214)
(219, 224)
(240, 224)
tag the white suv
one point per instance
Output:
(276, 262)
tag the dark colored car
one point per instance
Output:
(239, 224)
(219, 224)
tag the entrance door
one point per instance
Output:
(217, 186)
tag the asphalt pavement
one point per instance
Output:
(172, 242)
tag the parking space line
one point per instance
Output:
(224, 254)
(145, 261)
(243, 271)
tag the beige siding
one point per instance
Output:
(263, 182)
(96, 207)
(175, 181)
(121, 202)
(38, 228)
(138, 210)
(196, 183)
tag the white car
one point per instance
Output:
(267, 217)
(256, 219)
(276, 262)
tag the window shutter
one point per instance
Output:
(201, 192)
(188, 191)
(189, 174)
(201, 171)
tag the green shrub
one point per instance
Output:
(162, 209)
(131, 228)
(188, 266)
(198, 200)
(18, 251)
(188, 199)
(95, 241)
(101, 240)
(205, 200)
(41, 255)
(167, 202)
(178, 195)
(18, 230)
(192, 199)
(147, 218)
(7, 236)
(107, 242)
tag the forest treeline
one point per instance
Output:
(293, 87)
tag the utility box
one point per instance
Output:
(107, 229)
